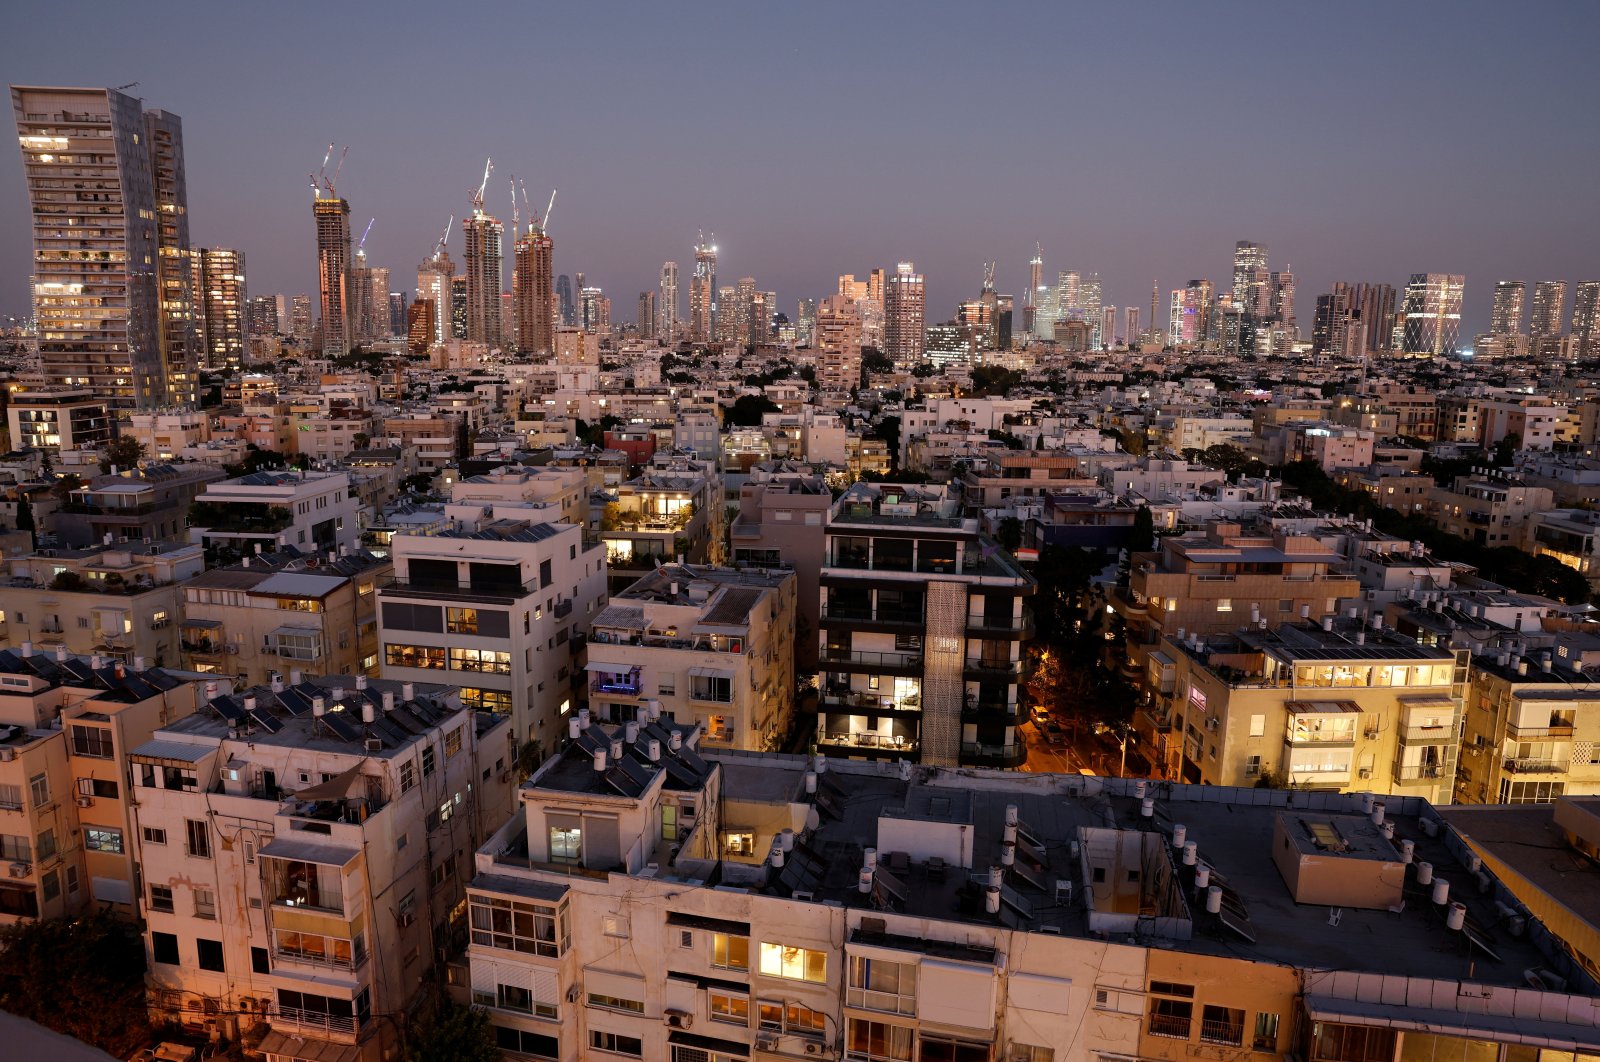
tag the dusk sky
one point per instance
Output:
(1359, 141)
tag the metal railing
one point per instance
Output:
(1221, 1032)
(1170, 1027)
(834, 655)
(1537, 766)
(868, 741)
(333, 1024)
(881, 615)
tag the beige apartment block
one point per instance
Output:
(1489, 510)
(1533, 725)
(713, 647)
(304, 851)
(1336, 706)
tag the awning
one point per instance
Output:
(339, 787)
(203, 624)
(1504, 1027)
(171, 753)
(305, 852)
(307, 1049)
(710, 672)
(297, 632)
(611, 668)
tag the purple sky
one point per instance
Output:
(1359, 141)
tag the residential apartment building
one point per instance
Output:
(499, 607)
(312, 511)
(1336, 705)
(671, 510)
(276, 611)
(922, 627)
(66, 725)
(1225, 578)
(59, 420)
(649, 902)
(1533, 725)
(1488, 510)
(782, 510)
(118, 601)
(138, 505)
(997, 476)
(711, 647)
(304, 850)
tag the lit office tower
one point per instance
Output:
(667, 303)
(333, 267)
(1250, 277)
(1586, 317)
(748, 313)
(1197, 306)
(377, 326)
(483, 234)
(532, 276)
(703, 293)
(1549, 297)
(1108, 326)
(1505, 317)
(264, 315)
(905, 300)
(1432, 313)
(358, 298)
(1175, 318)
(458, 307)
(221, 302)
(1282, 303)
(1130, 327)
(111, 262)
(1031, 297)
(568, 305)
(434, 277)
(1067, 295)
(300, 317)
(595, 309)
(646, 317)
(805, 322)
(1373, 306)
(1089, 307)
(1331, 327)
(397, 313)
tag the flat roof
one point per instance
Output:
(1526, 838)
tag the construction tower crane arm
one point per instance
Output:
(333, 182)
(516, 211)
(545, 224)
(477, 197)
(439, 247)
(364, 232)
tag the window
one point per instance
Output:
(161, 898)
(1171, 1018)
(498, 701)
(429, 760)
(790, 1017)
(614, 926)
(259, 962)
(154, 836)
(408, 775)
(10, 797)
(566, 845)
(729, 952)
(738, 843)
(205, 904)
(510, 997)
(518, 1041)
(728, 1008)
(794, 964)
(1252, 766)
(198, 838)
(103, 839)
(1331, 1042)
(1258, 725)
(1224, 604)
(93, 741)
(428, 657)
(1266, 1038)
(878, 1041)
(616, 1043)
(945, 1049)
(46, 846)
(51, 883)
(452, 741)
(1221, 1025)
(517, 926)
(460, 620)
(877, 984)
(164, 948)
(1028, 1053)
(604, 1002)
(210, 954)
(39, 790)
(102, 787)
(487, 661)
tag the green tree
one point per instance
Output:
(441, 1030)
(1009, 534)
(24, 514)
(994, 380)
(123, 452)
(874, 361)
(747, 410)
(68, 581)
(1143, 537)
(101, 959)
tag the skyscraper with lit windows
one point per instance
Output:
(484, 259)
(1586, 318)
(1431, 313)
(667, 303)
(905, 302)
(703, 293)
(1505, 316)
(1549, 299)
(531, 292)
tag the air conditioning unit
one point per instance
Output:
(814, 1048)
(1371, 732)
(21, 870)
(85, 801)
(374, 744)
(1366, 772)
(7, 755)
(680, 1019)
(404, 919)
(766, 1042)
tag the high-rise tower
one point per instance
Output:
(1432, 315)
(667, 304)
(333, 269)
(1250, 277)
(1549, 298)
(483, 261)
(532, 275)
(434, 277)
(703, 292)
(1586, 318)
(1505, 318)
(223, 304)
(112, 279)
(905, 302)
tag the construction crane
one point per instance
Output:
(364, 232)
(316, 178)
(439, 247)
(988, 275)
(544, 223)
(516, 211)
(533, 222)
(477, 196)
(333, 181)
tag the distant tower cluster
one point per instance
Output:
(1430, 317)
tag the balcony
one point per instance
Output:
(842, 697)
(350, 960)
(994, 670)
(503, 593)
(981, 754)
(315, 1021)
(1007, 627)
(1420, 772)
(840, 658)
(993, 712)
(898, 617)
(1559, 729)
(1169, 1027)
(628, 684)
(1537, 766)
(868, 744)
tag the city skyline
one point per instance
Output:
(1134, 214)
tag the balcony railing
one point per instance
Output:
(1006, 670)
(866, 700)
(618, 685)
(1419, 772)
(1532, 766)
(977, 750)
(1221, 1032)
(1173, 1028)
(355, 961)
(897, 743)
(1552, 730)
(867, 615)
(833, 655)
(316, 1021)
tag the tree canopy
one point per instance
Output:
(83, 977)
(441, 1030)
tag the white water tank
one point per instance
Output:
(1214, 899)
(1180, 833)
(599, 759)
(1424, 873)
(1441, 891)
(1456, 918)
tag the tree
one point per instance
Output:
(1505, 451)
(24, 515)
(1143, 537)
(442, 1030)
(361, 440)
(103, 962)
(530, 754)
(747, 410)
(122, 452)
(62, 488)
(1009, 534)
(874, 361)
(994, 380)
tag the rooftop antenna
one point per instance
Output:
(477, 196)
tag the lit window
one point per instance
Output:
(794, 964)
